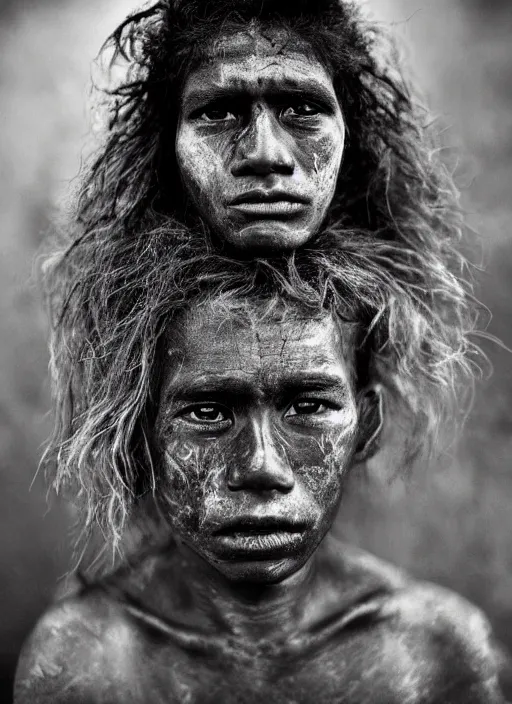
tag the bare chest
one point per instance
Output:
(289, 672)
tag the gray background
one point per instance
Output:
(451, 524)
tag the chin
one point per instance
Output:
(259, 571)
(269, 235)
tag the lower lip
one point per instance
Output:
(278, 208)
(257, 545)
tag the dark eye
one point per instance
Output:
(306, 408)
(217, 115)
(301, 110)
(207, 416)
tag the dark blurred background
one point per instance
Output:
(451, 524)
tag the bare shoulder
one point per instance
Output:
(450, 640)
(65, 658)
(436, 608)
(426, 642)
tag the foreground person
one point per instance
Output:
(265, 395)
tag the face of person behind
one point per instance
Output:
(257, 428)
(260, 140)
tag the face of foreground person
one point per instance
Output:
(260, 140)
(258, 426)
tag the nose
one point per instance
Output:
(263, 147)
(261, 464)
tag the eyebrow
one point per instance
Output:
(320, 382)
(238, 88)
(189, 387)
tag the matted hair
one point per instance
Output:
(388, 256)
(122, 294)
(391, 181)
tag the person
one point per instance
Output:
(269, 386)
(299, 219)
(260, 124)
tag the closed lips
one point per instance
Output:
(264, 204)
(259, 197)
(280, 207)
(251, 526)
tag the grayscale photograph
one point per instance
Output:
(256, 357)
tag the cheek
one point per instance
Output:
(321, 159)
(323, 465)
(193, 478)
(201, 164)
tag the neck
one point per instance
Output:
(251, 609)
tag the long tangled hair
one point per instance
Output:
(391, 183)
(123, 293)
(387, 258)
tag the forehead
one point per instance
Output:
(211, 341)
(253, 60)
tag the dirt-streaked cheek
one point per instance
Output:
(202, 160)
(193, 476)
(323, 467)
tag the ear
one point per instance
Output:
(371, 419)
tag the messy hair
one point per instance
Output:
(113, 300)
(388, 256)
(391, 182)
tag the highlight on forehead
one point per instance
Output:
(256, 39)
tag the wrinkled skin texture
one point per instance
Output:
(260, 122)
(259, 418)
(258, 423)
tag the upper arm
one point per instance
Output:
(59, 663)
(473, 647)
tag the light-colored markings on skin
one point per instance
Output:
(258, 361)
(251, 64)
(45, 667)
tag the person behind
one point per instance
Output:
(260, 124)
(250, 392)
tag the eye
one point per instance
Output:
(301, 110)
(306, 407)
(207, 416)
(217, 114)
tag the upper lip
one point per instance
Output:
(259, 195)
(252, 524)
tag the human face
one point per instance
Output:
(257, 427)
(260, 140)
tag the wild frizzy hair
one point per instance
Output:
(113, 300)
(131, 257)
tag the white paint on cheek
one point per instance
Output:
(198, 161)
(184, 453)
(174, 469)
(215, 499)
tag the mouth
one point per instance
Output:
(268, 204)
(257, 538)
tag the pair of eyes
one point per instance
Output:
(216, 416)
(225, 113)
